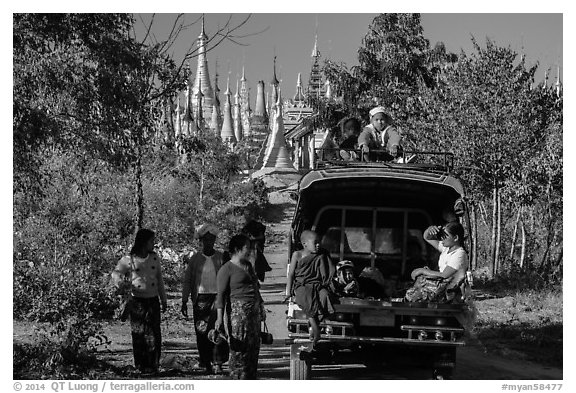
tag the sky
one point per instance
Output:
(291, 38)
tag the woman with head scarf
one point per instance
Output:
(199, 284)
(142, 268)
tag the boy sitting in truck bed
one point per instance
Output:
(308, 279)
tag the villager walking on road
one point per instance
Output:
(143, 269)
(199, 284)
(238, 286)
(256, 232)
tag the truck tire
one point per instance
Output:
(300, 369)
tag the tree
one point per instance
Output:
(484, 111)
(86, 83)
(395, 64)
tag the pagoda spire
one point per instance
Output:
(199, 115)
(558, 84)
(237, 113)
(315, 85)
(260, 113)
(273, 87)
(328, 88)
(277, 157)
(245, 103)
(545, 82)
(315, 51)
(299, 97)
(202, 81)
(227, 133)
(216, 115)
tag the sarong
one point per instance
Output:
(244, 329)
(204, 321)
(146, 334)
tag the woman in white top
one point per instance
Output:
(453, 261)
(143, 273)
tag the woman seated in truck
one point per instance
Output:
(441, 285)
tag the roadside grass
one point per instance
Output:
(525, 325)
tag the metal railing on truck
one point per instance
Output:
(426, 160)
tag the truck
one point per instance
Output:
(374, 214)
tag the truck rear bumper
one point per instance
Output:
(296, 338)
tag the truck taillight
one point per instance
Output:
(440, 321)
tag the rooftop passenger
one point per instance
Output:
(380, 134)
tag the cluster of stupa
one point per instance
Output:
(235, 121)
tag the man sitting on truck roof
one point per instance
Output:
(308, 279)
(379, 134)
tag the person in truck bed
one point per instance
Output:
(344, 284)
(309, 279)
(439, 285)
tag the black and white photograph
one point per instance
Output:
(298, 195)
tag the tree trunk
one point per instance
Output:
(523, 248)
(483, 213)
(498, 231)
(201, 196)
(474, 238)
(515, 235)
(544, 263)
(139, 198)
(493, 237)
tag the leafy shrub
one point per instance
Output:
(63, 350)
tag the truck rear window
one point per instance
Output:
(389, 239)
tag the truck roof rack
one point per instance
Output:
(420, 160)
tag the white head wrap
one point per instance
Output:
(378, 109)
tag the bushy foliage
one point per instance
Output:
(63, 350)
